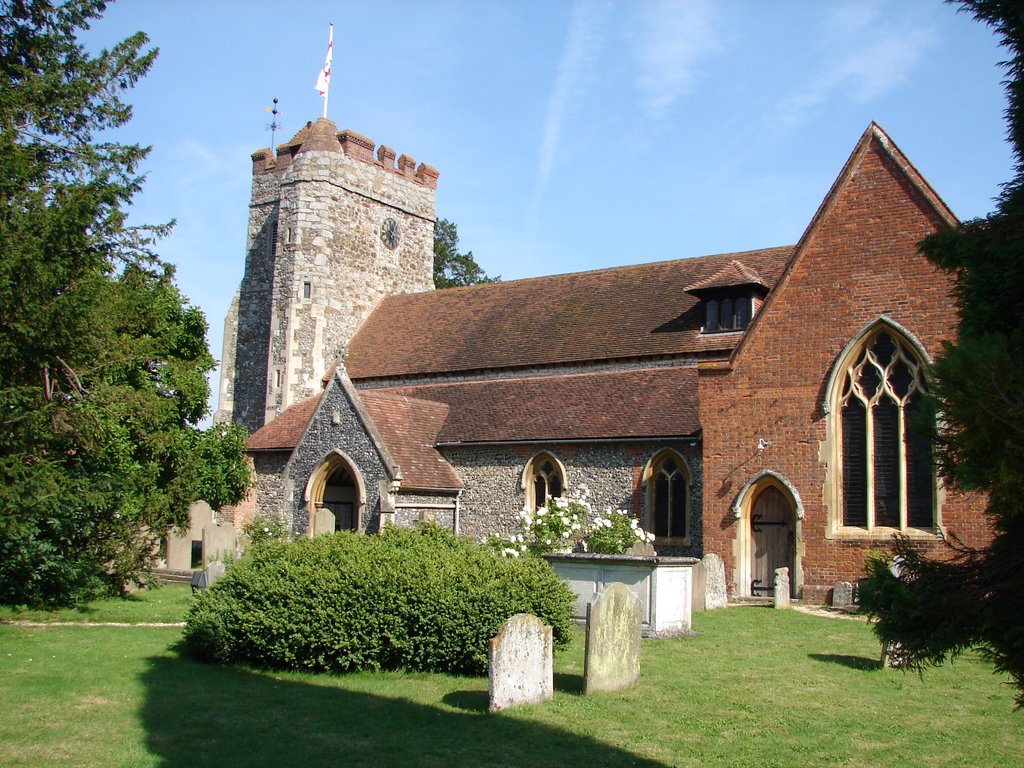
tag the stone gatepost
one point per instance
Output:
(519, 664)
(611, 661)
(782, 587)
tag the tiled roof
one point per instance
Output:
(624, 312)
(651, 402)
(409, 429)
(732, 274)
(284, 432)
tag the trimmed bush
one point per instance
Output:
(420, 599)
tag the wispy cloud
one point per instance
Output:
(579, 56)
(865, 52)
(670, 40)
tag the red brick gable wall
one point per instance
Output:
(857, 261)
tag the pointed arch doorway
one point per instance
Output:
(336, 486)
(772, 540)
(769, 515)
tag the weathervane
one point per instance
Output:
(273, 125)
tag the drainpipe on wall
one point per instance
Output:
(458, 497)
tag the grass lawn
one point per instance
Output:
(756, 687)
(160, 605)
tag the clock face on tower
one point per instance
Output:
(390, 233)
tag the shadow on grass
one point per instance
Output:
(479, 701)
(200, 715)
(853, 662)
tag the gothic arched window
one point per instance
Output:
(545, 479)
(667, 493)
(886, 478)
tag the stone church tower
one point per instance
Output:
(333, 228)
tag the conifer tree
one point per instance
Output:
(451, 268)
(102, 361)
(937, 608)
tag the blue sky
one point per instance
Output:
(568, 135)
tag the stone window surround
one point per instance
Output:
(531, 470)
(831, 447)
(651, 469)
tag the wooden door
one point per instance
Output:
(771, 541)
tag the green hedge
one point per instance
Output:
(419, 599)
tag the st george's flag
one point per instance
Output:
(323, 80)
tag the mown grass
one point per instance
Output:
(158, 605)
(756, 687)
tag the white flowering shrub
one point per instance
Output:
(261, 529)
(615, 532)
(562, 525)
(557, 526)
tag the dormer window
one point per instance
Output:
(729, 297)
(727, 313)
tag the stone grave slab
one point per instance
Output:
(612, 656)
(782, 587)
(842, 594)
(715, 595)
(218, 540)
(324, 522)
(519, 668)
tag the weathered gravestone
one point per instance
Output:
(214, 571)
(179, 551)
(782, 587)
(611, 660)
(641, 549)
(714, 582)
(218, 541)
(184, 544)
(324, 522)
(519, 666)
(842, 594)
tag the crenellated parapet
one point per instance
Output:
(322, 136)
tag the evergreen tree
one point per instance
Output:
(939, 607)
(451, 268)
(102, 361)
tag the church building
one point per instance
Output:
(756, 405)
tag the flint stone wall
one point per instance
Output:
(610, 473)
(323, 437)
(413, 508)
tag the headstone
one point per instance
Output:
(611, 660)
(842, 594)
(181, 542)
(714, 580)
(214, 571)
(640, 549)
(179, 551)
(519, 666)
(218, 541)
(324, 522)
(891, 656)
(782, 587)
(200, 514)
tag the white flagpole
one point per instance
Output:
(323, 80)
